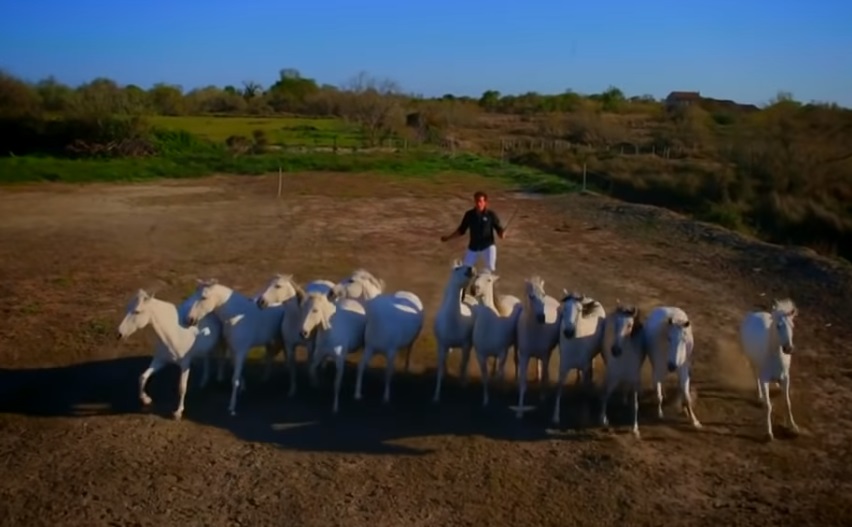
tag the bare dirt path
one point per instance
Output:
(75, 448)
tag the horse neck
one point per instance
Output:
(235, 304)
(452, 298)
(488, 297)
(164, 319)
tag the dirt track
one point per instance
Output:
(76, 449)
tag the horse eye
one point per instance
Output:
(277, 286)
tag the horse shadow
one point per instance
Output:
(304, 422)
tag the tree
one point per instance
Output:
(374, 104)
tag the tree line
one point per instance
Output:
(783, 171)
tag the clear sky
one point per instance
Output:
(746, 50)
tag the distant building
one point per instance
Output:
(678, 99)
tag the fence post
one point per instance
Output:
(584, 177)
(280, 181)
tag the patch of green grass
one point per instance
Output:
(410, 164)
(291, 131)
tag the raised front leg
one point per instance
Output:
(786, 385)
(156, 365)
(183, 381)
(439, 374)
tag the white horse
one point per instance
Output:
(580, 340)
(493, 332)
(503, 304)
(176, 344)
(394, 321)
(360, 285)
(538, 335)
(244, 323)
(767, 342)
(283, 291)
(340, 330)
(670, 344)
(625, 353)
(453, 324)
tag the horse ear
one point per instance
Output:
(495, 277)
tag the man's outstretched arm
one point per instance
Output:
(460, 230)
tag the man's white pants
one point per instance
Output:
(489, 254)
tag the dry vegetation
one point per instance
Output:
(783, 172)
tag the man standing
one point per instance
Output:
(482, 222)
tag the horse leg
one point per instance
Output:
(636, 410)
(686, 396)
(340, 362)
(767, 401)
(522, 384)
(290, 351)
(408, 357)
(544, 381)
(236, 378)
(465, 361)
(362, 365)
(563, 373)
(390, 365)
(785, 383)
(182, 384)
(609, 387)
(442, 361)
(268, 360)
(156, 364)
(315, 359)
(483, 371)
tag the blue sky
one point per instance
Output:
(746, 50)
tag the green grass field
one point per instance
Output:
(284, 131)
(410, 164)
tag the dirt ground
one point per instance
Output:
(77, 449)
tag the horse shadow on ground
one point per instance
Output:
(305, 422)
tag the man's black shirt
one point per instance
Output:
(482, 227)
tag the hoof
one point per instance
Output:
(177, 415)
(145, 400)
(636, 434)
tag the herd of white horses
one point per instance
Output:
(332, 320)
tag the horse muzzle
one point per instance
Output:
(304, 334)
(787, 349)
(261, 303)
